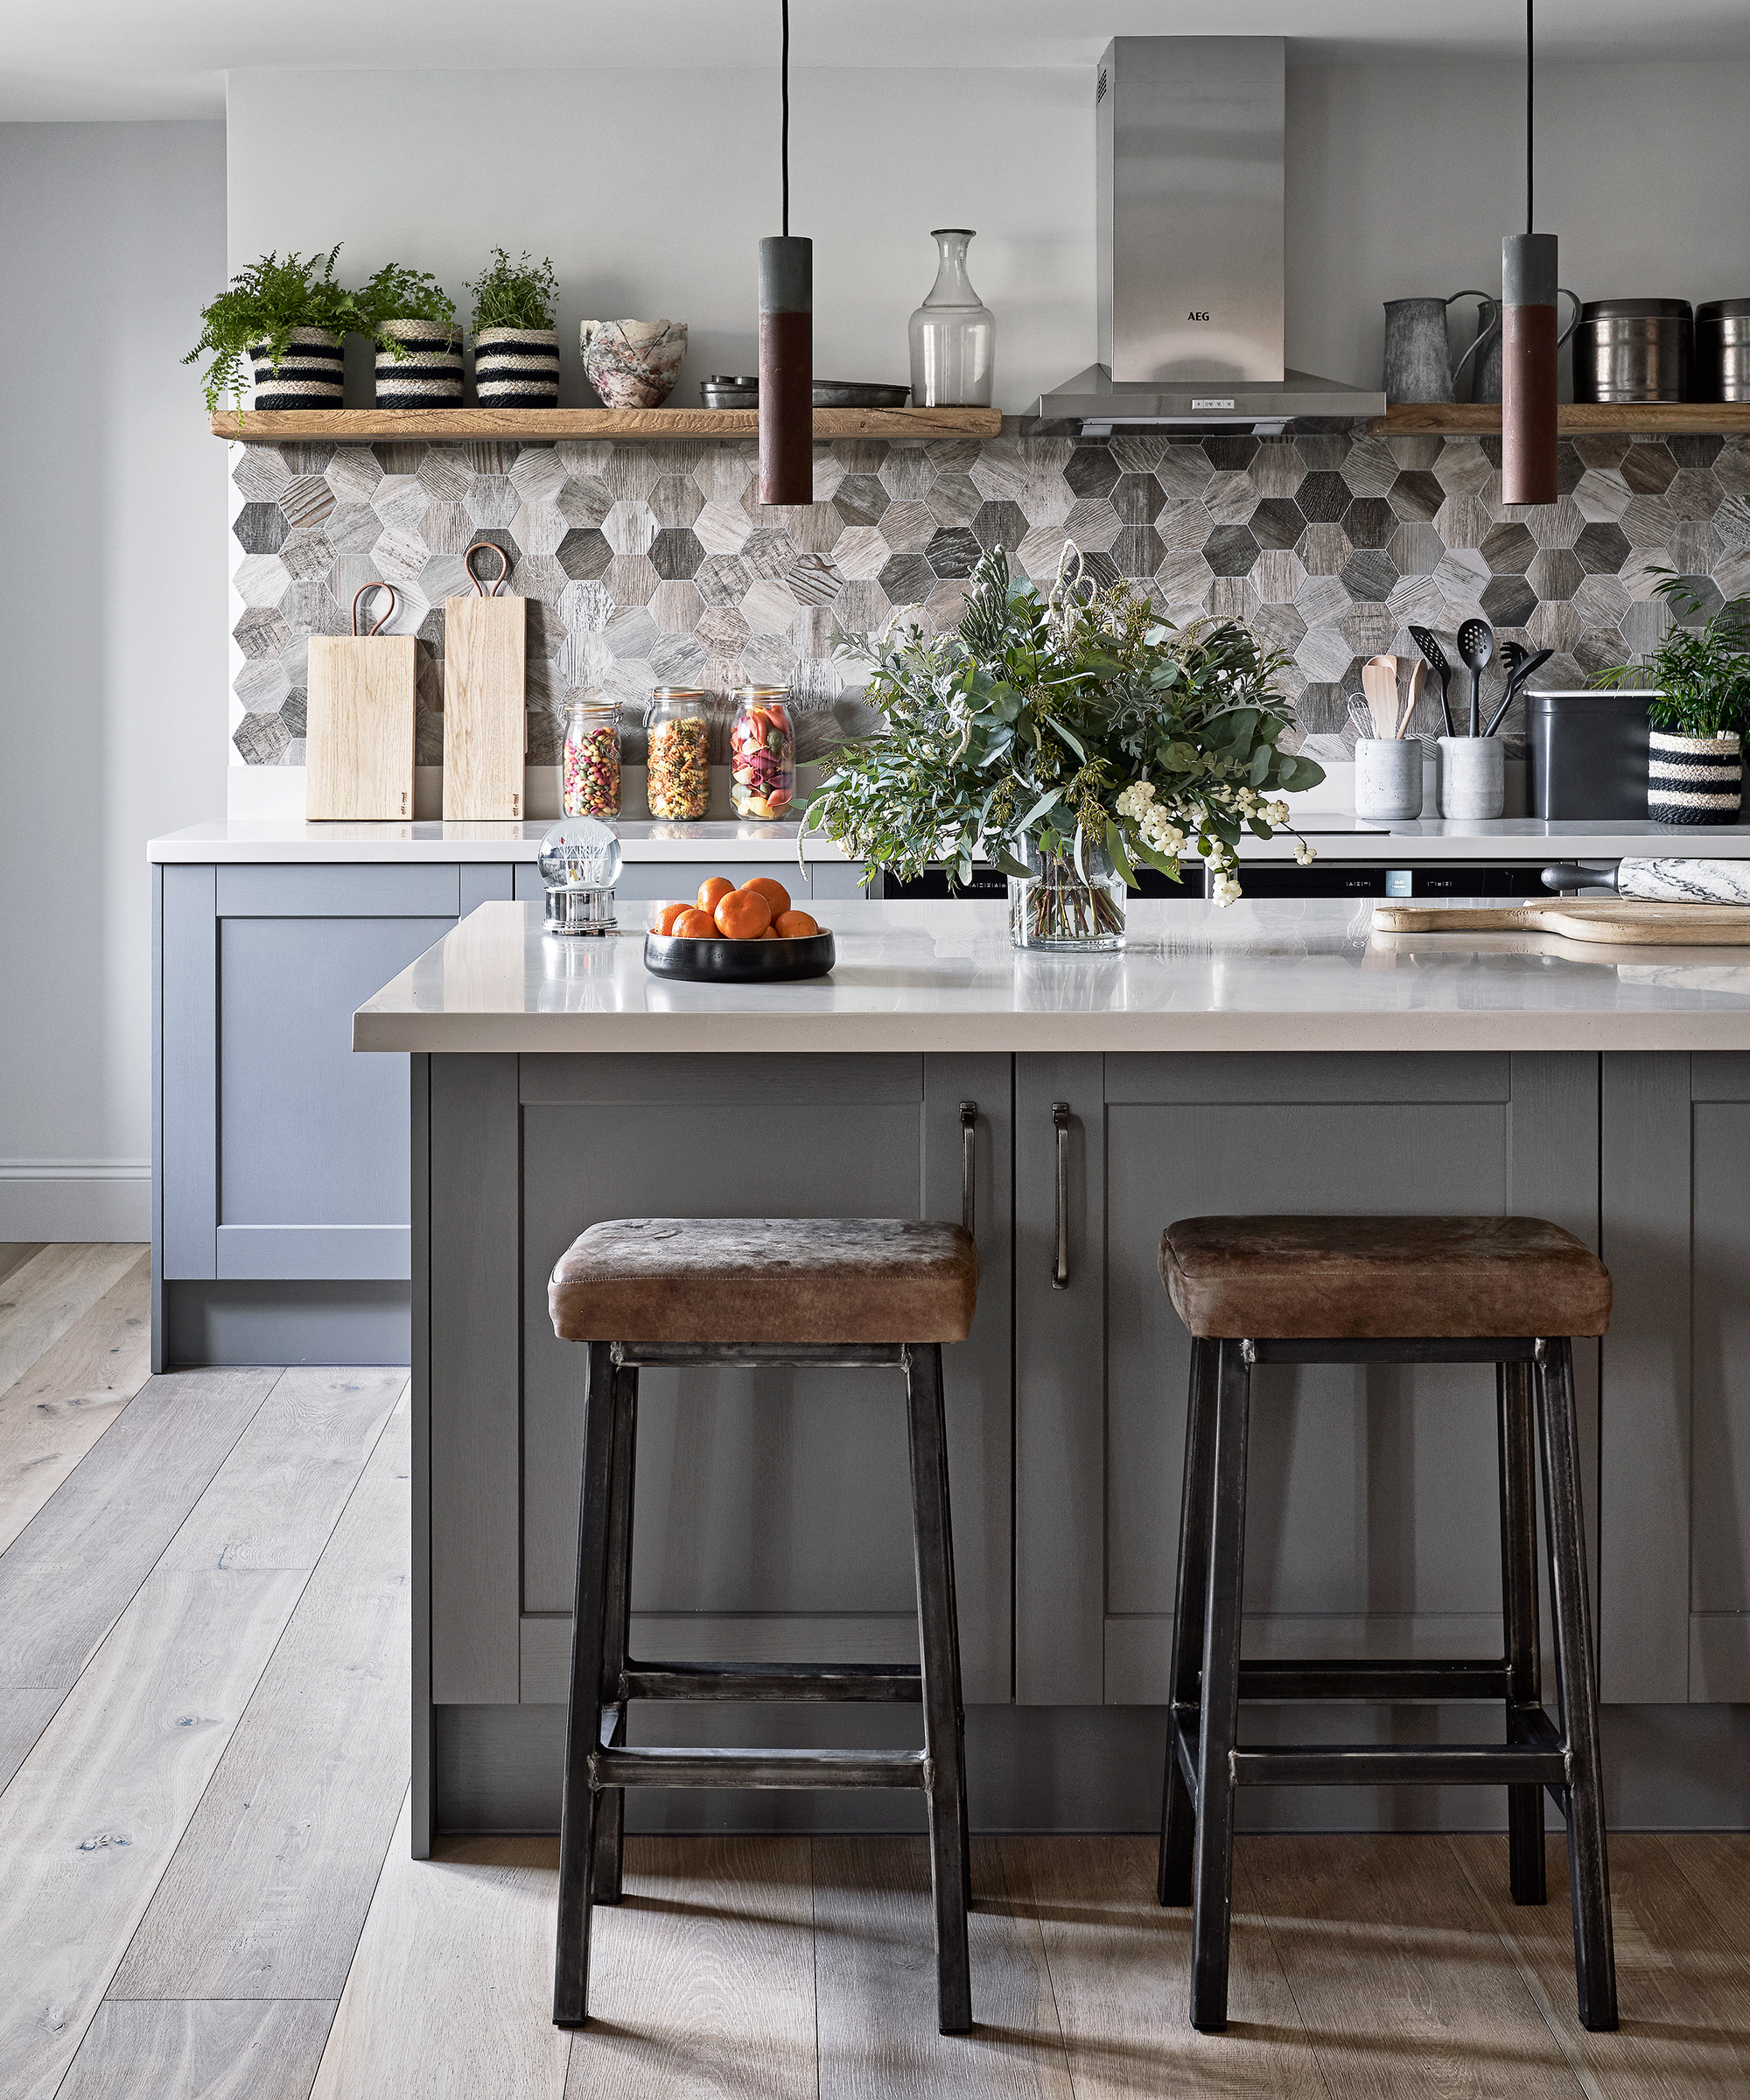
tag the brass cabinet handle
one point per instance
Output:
(968, 1165)
(1060, 1117)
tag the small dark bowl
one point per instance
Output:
(738, 961)
(854, 394)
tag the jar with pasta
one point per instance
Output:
(677, 738)
(589, 780)
(762, 753)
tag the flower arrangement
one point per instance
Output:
(1068, 739)
(1701, 666)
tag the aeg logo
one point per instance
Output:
(1196, 317)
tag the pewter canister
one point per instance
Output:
(1722, 351)
(1633, 350)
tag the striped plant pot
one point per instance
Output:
(430, 375)
(312, 374)
(517, 368)
(1694, 779)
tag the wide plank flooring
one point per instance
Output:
(209, 1895)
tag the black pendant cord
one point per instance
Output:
(785, 149)
(1529, 169)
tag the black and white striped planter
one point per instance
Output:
(311, 374)
(517, 368)
(430, 375)
(1694, 779)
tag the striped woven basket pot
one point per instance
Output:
(517, 368)
(1694, 779)
(312, 374)
(430, 375)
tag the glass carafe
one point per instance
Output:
(677, 739)
(589, 779)
(953, 334)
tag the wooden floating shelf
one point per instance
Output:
(355, 426)
(1573, 419)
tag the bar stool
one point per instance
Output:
(1510, 1292)
(863, 1293)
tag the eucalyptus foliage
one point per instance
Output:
(267, 300)
(514, 294)
(1044, 726)
(1701, 670)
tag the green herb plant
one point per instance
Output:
(1701, 666)
(1064, 737)
(398, 293)
(267, 300)
(514, 294)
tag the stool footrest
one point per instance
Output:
(763, 1768)
(895, 1682)
(1537, 1757)
(1437, 1678)
(796, 1355)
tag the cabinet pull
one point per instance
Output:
(968, 1165)
(1060, 1117)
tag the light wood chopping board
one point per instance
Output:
(1624, 922)
(486, 722)
(358, 724)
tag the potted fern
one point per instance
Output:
(419, 345)
(284, 318)
(1701, 666)
(516, 345)
(1069, 739)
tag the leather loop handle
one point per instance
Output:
(499, 581)
(394, 597)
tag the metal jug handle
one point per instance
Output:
(1575, 321)
(1488, 305)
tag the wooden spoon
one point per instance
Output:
(1417, 671)
(1379, 683)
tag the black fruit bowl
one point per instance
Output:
(738, 961)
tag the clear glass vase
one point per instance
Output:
(953, 334)
(1058, 910)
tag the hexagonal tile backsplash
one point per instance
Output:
(648, 565)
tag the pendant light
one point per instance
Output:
(787, 357)
(1528, 344)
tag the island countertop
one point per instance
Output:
(1265, 975)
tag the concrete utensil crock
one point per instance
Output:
(1388, 777)
(1473, 776)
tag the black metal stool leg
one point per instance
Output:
(1213, 1893)
(1178, 1816)
(1588, 1867)
(944, 1721)
(605, 1880)
(1519, 1611)
(583, 1720)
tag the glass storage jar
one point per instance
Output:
(589, 780)
(677, 737)
(762, 753)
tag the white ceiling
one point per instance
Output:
(97, 58)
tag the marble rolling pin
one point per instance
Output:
(1659, 881)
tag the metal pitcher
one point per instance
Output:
(1486, 380)
(1418, 366)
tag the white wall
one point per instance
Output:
(112, 637)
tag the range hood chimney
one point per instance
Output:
(1189, 133)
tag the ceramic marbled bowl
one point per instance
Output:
(633, 364)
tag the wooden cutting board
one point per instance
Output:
(359, 726)
(485, 724)
(1625, 922)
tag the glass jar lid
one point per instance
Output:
(580, 854)
(760, 692)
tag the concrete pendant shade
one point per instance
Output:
(787, 378)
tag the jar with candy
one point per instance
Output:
(588, 782)
(678, 735)
(762, 753)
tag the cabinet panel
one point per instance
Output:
(340, 890)
(645, 881)
(1719, 1556)
(189, 1009)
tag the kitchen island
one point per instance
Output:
(1276, 1055)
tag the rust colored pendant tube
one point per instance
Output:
(1528, 368)
(787, 371)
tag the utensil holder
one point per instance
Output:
(1473, 776)
(1388, 777)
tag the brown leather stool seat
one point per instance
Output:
(1379, 1279)
(804, 1281)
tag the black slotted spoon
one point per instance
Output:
(1476, 653)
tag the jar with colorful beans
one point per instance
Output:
(762, 753)
(677, 739)
(589, 780)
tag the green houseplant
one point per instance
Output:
(419, 345)
(1069, 739)
(1700, 668)
(516, 345)
(285, 315)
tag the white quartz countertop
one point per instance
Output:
(266, 839)
(1289, 973)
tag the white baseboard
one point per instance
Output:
(76, 1200)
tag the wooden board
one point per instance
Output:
(242, 2050)
(485, 730)
(359, 756)
(535, 426)
(1622, 921)
(1467, 419)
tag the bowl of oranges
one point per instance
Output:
(738, 935)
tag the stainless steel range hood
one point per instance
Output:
(1189, 135)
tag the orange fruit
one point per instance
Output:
(796, 926)
(774, 894)
(742, 915)
(712, 890)
(695, 925)
(770, 934)
(670, 912)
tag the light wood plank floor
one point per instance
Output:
(208, 1896)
